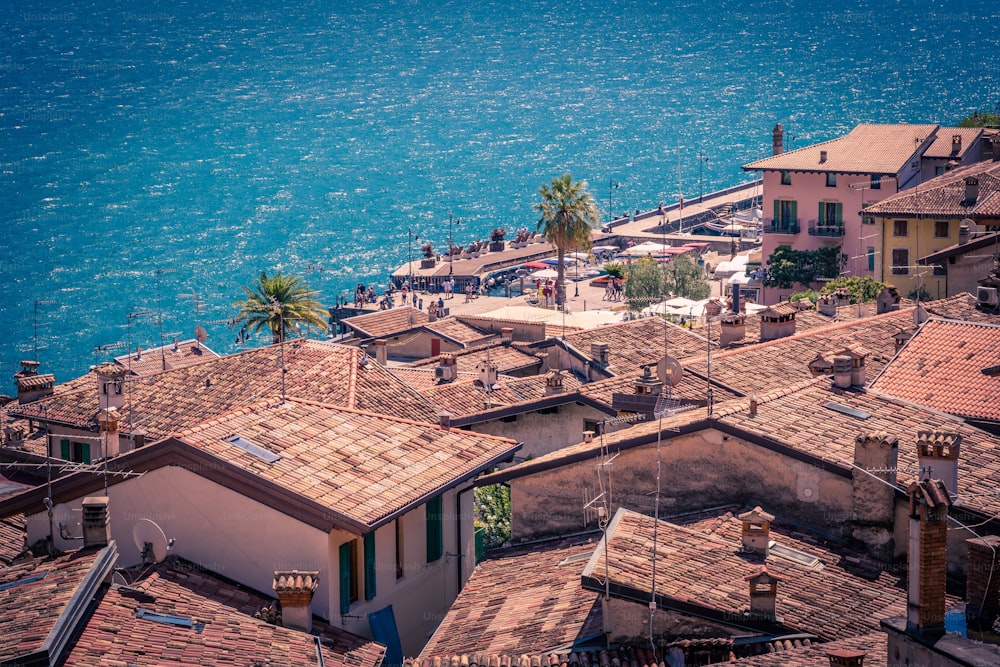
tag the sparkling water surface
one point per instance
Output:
(156, 157)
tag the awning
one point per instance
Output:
(536, 265)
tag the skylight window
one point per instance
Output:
(177, 621)
(850, 412)
(251, 448)
(577, 558)
(793, 555)
(22, 582)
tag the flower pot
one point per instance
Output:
(496, 246)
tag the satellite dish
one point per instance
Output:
(969, 224)
(150, 541)
(119, 578)
(200, 334)
(66, 520)
(669, 371)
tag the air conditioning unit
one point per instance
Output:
(445, 372)
(987, 296)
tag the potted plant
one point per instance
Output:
(428, 261)
(496, 239)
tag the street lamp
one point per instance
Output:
(410, 238)
(612, 184)
(702, 159)
(451, 242)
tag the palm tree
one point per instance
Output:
(279, 303)
(568, 214)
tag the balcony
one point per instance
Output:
(782, 226)
(818, 229)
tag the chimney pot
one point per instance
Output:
(96, 530)
(842, 371)
(753, 406)
(937, 453)
(381, 352)
(588, 436)
(763, 595)
(777, 140)
(295, 591)
(846, 658)
(444, 419)
(507, 335)
(756, 531)
(927, 557)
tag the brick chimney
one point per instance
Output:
(600, 353)
(846, 658)
(713, 308)
(108, 419)
(30, 385)
(763, 595)
(859, 357)
(927, 561)
(887, 300)
(756, 531)
(381, 352)
(646, 384)
(444, 419)
(777, 321)
(820, 365)
(488, 373)
(971, 191)
(901, 338)
(777, 140)
(937, 452)
(553, 382)
(733, 328)
(295, 591)
(982, 582)
(506, 335)
(826, 304)
(110, 386)
(96, 530)
(872, 494)
(842, 371)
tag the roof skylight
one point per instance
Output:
(251, 448)
(850, 412)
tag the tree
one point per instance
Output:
(568, 213)
(645, 283)
(787, 267)
(279, 303)
(683, 277)
(982, 119)
(492, 513)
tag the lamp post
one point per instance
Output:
(451, 258)
(702, 159)
(612, 184)
(410, 238)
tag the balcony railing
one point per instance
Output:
(772, 226)
(818, 229)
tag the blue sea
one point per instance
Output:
(156, 156)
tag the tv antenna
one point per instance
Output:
(149, 539)
(39, 302)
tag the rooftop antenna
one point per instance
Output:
(39, 302)
(159, 309)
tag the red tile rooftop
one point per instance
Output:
(382, 323)
(155, 360)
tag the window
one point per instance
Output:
(899, 228)
(399, 549)
(941, 229)
(830, 214)
(590, 425)
(876, 183)
(785, 216)
(370, 568)
(871, 258)
(938, 171)
(866, 219)
(939, 269)
(900, 261)
(348, 575)
(435, 530)
(831, 180)
(77, 452)
(786, 178)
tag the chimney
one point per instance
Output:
(176, 344)
(965, 230)
(937, 453)
(763, 595)
(827, 305)
(734, 328)
(444, 419)
(777, 140)
(956, 144)
(887, 300)
(982, 582)
(295, 591)
(600, 353)
(646, 384)
(713, 308)
(872, 494)
(842, 371)
(138, 438)
(381, 352)
(971, 191)
(926, 555)
(488, 373)
(846, 658)
(553, 383)
(841, 297)
(111, 386)
(756, 531)
(777, 321)
(753, 405)
(96, 531)
(506, 335)
(822, 157)
(588, 436)
(901, 337)
(30, 385)
(13, 436)
(859, 357)
(108, 419)
(820, 365)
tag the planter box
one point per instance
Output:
(427, 263)
(496, 246)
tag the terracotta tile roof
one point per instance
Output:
(874, 646)
(942, 366)
(364, 465)
(867, 149)
(383, 323)
(226, 633)
(155, 360)
(991, 241)
(691, 388)
(508, 358)
(621, 656)
(944, 195)
(458, 331)
(30, 610)
(757, 368)
(173, 400)
(708, 570)
(805, 320)
(959, 307)
(943, 146)
(638, 342)
(463, 399)
(522, 600)
(13, 537)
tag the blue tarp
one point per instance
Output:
(383, 625)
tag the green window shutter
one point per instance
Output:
(820, 217)
(871, 259)
(370, 565)
(435, 532)
(85, 452)
(794, 207)
(345, 578)
(839, 214)
(64, 449)
(777, 212)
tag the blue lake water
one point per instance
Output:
(158, 158)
